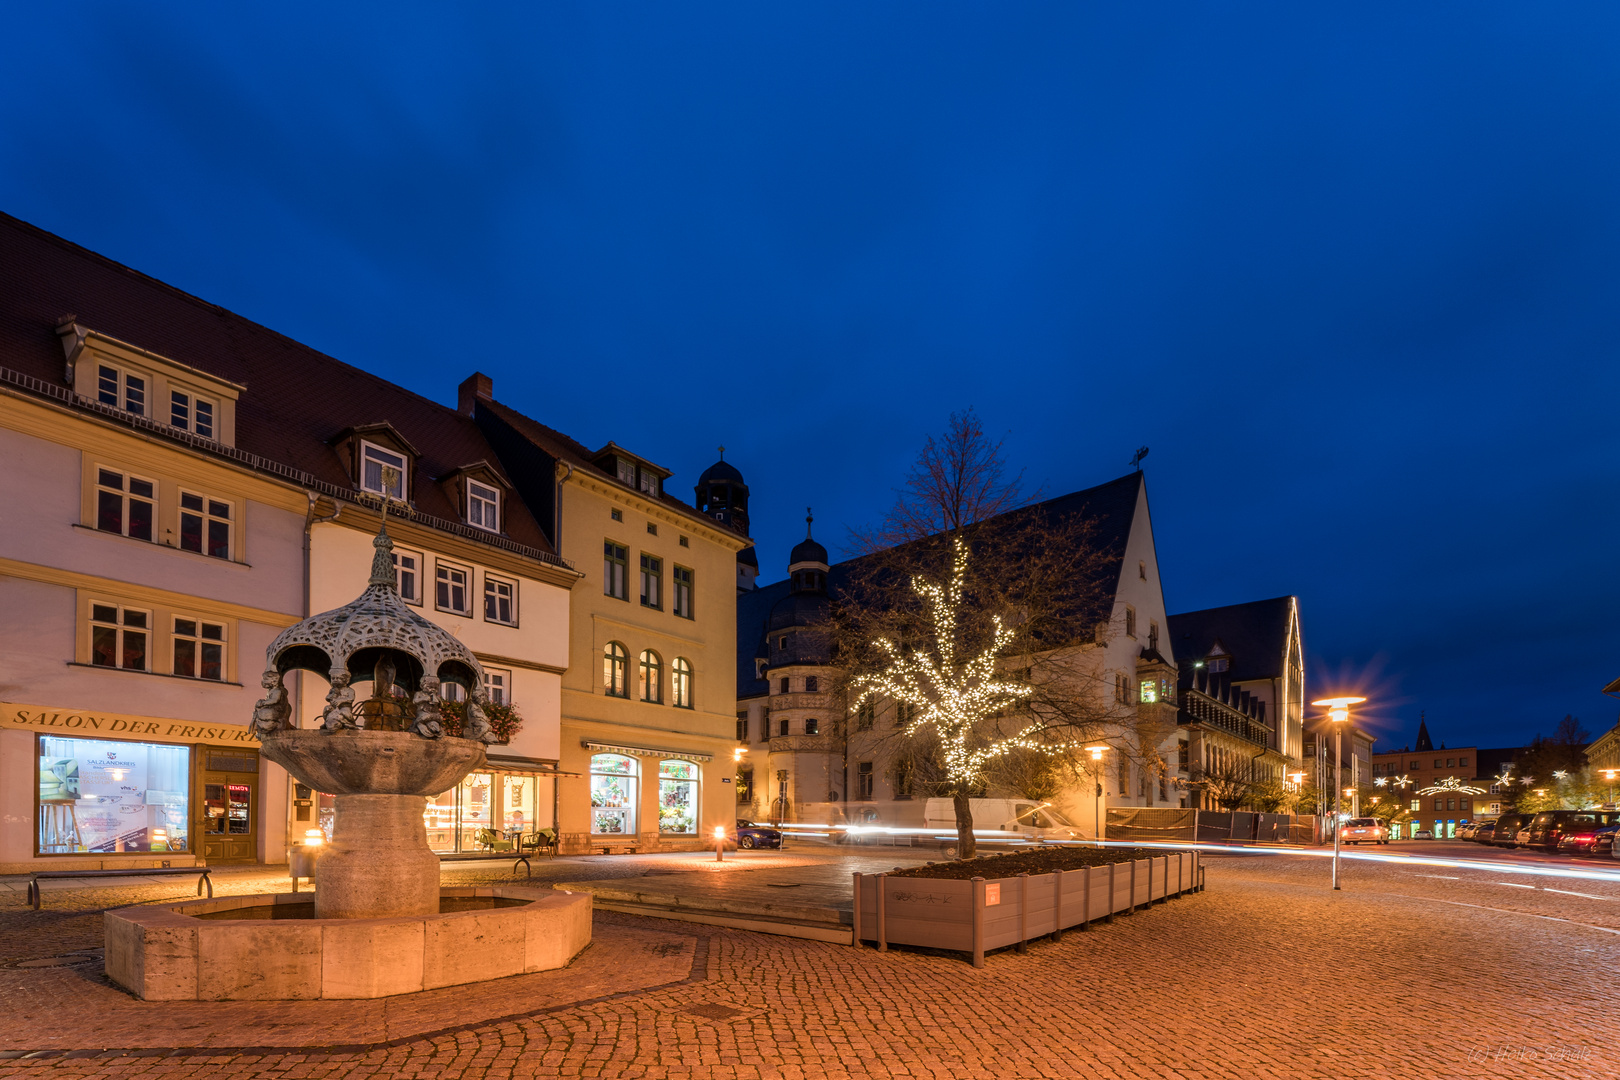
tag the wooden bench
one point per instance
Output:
(35, 895)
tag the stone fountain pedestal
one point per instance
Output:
(378, 864)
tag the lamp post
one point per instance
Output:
(1096, 753)
(1338, 712)
(1609, 775)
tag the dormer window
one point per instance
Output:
(483, 506)
(373, 459)
(627, 472)
(191, 413)
(121, 389)
(649, 482)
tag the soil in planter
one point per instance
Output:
(1040, 861)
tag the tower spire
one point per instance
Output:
(809, 519)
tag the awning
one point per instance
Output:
(512, 763)
(643, 751)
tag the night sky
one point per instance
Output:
(1351, 274)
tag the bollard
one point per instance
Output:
(855, 937)
(1057, 905)
(882, 927)
(978, 922)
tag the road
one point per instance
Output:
(1423, 965)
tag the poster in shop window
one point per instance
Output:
(108, 771)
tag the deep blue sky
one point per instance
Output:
(1350, 273)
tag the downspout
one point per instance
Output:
(564, 471)
(311, 519)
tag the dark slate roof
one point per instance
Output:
(722, 471)
(1255, 635)
(1111, 508)
(297, 399)
(807, 550)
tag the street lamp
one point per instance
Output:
(1609, 775)
(1338, 712)
(1096, 753)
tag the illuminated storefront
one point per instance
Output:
(507, 798)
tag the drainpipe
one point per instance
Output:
(311, 519)
(556, 506)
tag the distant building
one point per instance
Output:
(1405, 772)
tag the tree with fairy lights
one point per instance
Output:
(954, 697)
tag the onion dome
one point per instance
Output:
(807, 550)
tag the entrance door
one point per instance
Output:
(229, 784)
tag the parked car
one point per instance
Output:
(753, 835)
(1484, 832)
(1595, 840)
(1423, 834)
(1548, 828)
(1365, 830)
(1465, 829)
(1507, 829)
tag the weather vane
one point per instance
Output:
(1136, 459)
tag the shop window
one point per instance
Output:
(652, 677)
(677, 797)
(199, 649)
(680, 683)
(190, 413)
(498, 686)
(683, 591)
(477, 811)
(483, 506)
(408, 575)
(205, 525)
(652, 582)
(373, 461)
(105, 797)
(615, 670)
(615, 570)
(119, 636)
(453, 595)
(500, 601)
(124, 504)
(519, 806)
(613, 795)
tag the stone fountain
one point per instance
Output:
(379, 922)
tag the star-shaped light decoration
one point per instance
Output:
(1560, 775)
(1382, 781)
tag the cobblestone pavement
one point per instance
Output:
(1412, 970)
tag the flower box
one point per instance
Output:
(980, 915)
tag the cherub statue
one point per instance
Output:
(271, 712)
(477, 725)
(339, 712)
(426, 700)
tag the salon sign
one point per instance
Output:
(49, 720)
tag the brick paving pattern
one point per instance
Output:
(1267, 974)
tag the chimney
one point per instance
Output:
(475, 386)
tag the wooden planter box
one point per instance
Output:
(983, 914)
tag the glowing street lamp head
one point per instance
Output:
(1338, 702)
(719, 832)
(1096, 752)
(1296, 777)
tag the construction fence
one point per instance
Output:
(1167, 824)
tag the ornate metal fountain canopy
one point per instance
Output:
(375, 634)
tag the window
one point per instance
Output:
(685, 542)
(742, 727)
(1153, 636)
(191, 414)
(765, 724)
(902, 779)
(1417, 804)
(652, 581)
(784, 684)
(1462, 763)
(1219, 663)
(205, 525)
(680, 683)
(452, 594)
(133, 398)
(613, 795)
(652, 677)
(498, 686)
(683, 592)
(500, 601)
(1451, 763)
(615, 570)
(1437, 763)
(615, 674)
(863, 780)
(1141, 570)
(1130, 621)
(1150, 691)
(98, 796)
(677, 797)
(1417, 764)
(1123, 774)
(627, 472)
(408, 575)
(1164, 782)
(618, 515)
(1439, 804)
(118, 637)
(483, 506)
(812, 726)
(649, 482)
(864, 716)
(652, 530)
(1181, 755)
(124, 505)
(373, 459)
(199, 649)
(810, 684)
(745, 785)
(781, 727)
(904, 713)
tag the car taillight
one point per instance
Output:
(1583, 836)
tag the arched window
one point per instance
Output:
(677, 797)
(613, 795)
(652, 677)
(680, 673)
(615, 670)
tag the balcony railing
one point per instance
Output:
(1198, 707)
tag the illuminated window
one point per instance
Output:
(677, 797)
(652, 677)
(613, 795)
(680, 680)
(124, 504)
(812, 726)
(199, 649)
(1150, 691)
(119, 637)
(615, 670)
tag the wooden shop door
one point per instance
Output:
(228, 783)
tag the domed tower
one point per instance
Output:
(807, 563)
(723, 495)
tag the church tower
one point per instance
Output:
(723, 495)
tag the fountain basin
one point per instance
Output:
(358, 762)
(168, 953)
